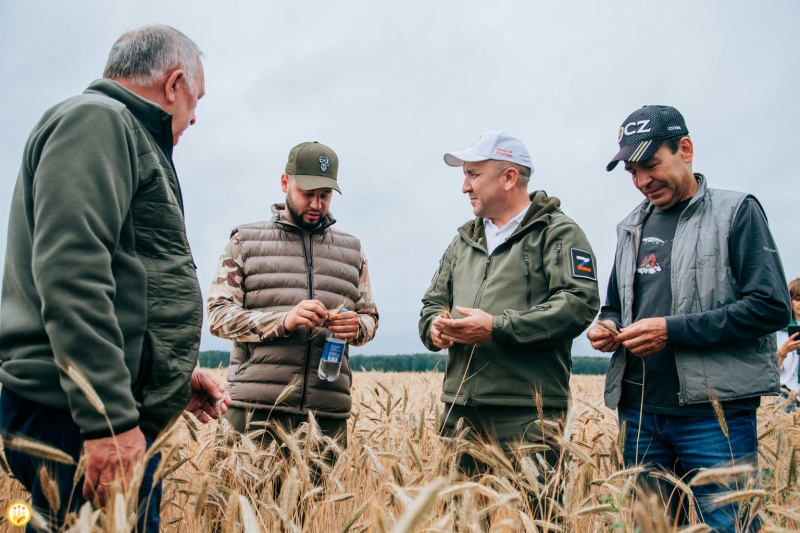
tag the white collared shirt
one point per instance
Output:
(495, 235)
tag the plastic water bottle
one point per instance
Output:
(331, 362)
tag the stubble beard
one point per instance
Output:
(297, 217)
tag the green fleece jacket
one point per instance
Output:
(539, 285)
(98, 272)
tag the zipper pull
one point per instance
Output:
(527, 265)
(558, 254)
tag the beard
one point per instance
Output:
(297, 215)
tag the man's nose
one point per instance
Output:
(643, 179)
(466, 187)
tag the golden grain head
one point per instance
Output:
(398, 474)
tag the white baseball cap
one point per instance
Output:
(497, 145)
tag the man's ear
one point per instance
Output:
(285, 183)
(171, 83)
(686, 149)
(510, 178)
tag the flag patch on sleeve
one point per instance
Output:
(582, 264)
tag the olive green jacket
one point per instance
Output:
(539, 285)
(98, 272)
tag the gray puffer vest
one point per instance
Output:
(701, 280)
(284, 265)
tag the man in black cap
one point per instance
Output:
(696, 291)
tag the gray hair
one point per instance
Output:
(145, 54)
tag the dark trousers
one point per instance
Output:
(56, 428)
(334, 428)
(265, 421)
(509, 427)
(519, 432)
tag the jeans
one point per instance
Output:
(56, 428)
(684, 444)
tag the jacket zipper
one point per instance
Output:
(472, 363)
(309, 258)
(527, 279)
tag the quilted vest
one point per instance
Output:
(282, 266)
(701, 280)
(174, 300)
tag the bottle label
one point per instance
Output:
(333, 352)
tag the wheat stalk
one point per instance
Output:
(608, 326)
(49, 488)
(419, 507)
(37, 449)
(82, 382)
(721, 475)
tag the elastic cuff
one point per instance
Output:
(498, 322)
(676, 330)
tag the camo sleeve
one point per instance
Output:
(227, 316)
(365, 307)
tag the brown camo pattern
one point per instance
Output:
(229, 319)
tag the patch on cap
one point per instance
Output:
(313, 166)
(643, 132)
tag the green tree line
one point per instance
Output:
(418, 362)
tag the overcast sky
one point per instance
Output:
(391, 86)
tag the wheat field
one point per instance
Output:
(398, 475)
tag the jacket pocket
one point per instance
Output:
(560, 264)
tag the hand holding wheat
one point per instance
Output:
(603, 336)
(308, 313)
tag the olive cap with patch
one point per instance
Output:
(313, 166)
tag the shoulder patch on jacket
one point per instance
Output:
(582, 264)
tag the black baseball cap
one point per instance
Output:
(645, 130)
(314, 166)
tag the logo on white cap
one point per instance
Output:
(497, 145)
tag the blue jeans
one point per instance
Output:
(56, 428)
(684, 444)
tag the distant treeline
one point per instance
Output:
(418, 362)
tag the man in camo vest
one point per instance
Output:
(279, 286)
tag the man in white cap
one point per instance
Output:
(520, 282)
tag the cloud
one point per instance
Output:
(392, 86)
